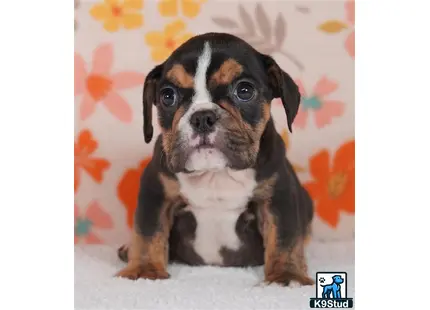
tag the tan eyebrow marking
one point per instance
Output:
(180, 77)
(226, 73)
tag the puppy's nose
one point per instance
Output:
(203, 121)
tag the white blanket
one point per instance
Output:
(198, 288)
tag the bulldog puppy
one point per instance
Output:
(219, 189)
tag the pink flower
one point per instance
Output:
(100, 86)
(323, 109)
(94, 217)
(350, 17)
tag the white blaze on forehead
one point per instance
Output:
(201, 92)
(200, 160)
(202, 99)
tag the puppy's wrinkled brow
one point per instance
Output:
(180, 77)
(227, 72)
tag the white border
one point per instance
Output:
(36, 166)
(36, 126)
(392, 154)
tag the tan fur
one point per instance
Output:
(169, 135)
(250, 135)
(180, 77)
(264, 189)
(241, 125)
(235, 114)
(261, 126)
(266, 116)
(308, 236)
(171, 186)
(236, 126)
(282, 265)
(226, 73)
(147, 257)
(139, 246)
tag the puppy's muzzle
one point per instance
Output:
(203, 122)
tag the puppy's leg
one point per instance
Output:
(147, 258)
(284, 240)
(147, 253)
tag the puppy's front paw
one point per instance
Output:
(145, 271)
(287, 278)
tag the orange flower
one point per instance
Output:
(94, 166)
(333, 187)
(101, 85)
(128, 189)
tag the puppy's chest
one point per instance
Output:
(216, 200)
(218, 191)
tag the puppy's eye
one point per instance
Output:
(244, 91)
(168, 96)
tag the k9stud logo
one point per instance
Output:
(331, 291)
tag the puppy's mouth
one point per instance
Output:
(201, 157)
(205, 146)
(204, 155)
(203, 142)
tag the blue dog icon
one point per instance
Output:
(333, 289)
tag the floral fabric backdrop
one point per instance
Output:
(118, 41)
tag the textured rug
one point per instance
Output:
(198, 288)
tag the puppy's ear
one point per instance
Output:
(149, 98)
(283, 87)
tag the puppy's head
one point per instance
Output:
(337, 279)
(213, 99)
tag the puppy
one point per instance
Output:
(219, 189)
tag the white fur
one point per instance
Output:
(202, 95)
(294, 284)
(217, 198)
(211, 138)
(206, 159)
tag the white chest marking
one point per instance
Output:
(216, 199)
